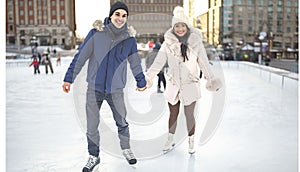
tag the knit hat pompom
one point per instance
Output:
(179, 16)
(178, 10)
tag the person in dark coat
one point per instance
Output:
(107, 49)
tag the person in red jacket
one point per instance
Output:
(35, 64)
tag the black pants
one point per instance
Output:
(161, 78)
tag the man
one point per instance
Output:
(108, 49)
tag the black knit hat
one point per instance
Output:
(118, 5)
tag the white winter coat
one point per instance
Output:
(184, 81)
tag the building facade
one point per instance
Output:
(40, 22)
(150, 18)
(236, 23)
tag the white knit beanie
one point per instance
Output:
(179, 16)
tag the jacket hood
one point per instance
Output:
(99, 25)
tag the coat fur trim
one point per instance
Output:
(98, 25)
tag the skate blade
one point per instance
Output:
(134, 166)
(169, 150)
(192, 153)
(96, 168)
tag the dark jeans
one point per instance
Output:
(117, 105)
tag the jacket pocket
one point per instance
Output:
(194, 78)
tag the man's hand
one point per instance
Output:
(66, 87)
(141, 89)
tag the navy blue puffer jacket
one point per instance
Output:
(108, 52)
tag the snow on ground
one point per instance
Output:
(258, 131)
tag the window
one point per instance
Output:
(53, 21)
(53, 3)
(54, 41)
(270, 2)
(21, 3)
(279, 16)
(62, 12)
(270, 15)
(270, 23)
(10, 16)
(53, 12)
(30, 3)
(30, 12)
(270, 9)
(261, 2)
(62, 3)
(21, 12)
(279, 24)
(11, 28)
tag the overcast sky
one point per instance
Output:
(87, 11)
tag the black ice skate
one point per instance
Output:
(91, 164)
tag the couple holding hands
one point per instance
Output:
(108, 48)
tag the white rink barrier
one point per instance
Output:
(285, 79)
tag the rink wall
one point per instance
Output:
(282, 78)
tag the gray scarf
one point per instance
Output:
(117, 31)
(183, 47)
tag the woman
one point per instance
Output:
(185, 54)
(107, 49)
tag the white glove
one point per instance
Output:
(214, 84)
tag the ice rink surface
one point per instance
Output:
(258, 131)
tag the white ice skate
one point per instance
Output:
(169, 144)
(191, 145)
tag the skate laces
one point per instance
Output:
(91, 161)
(128, 154)
(169, 141)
